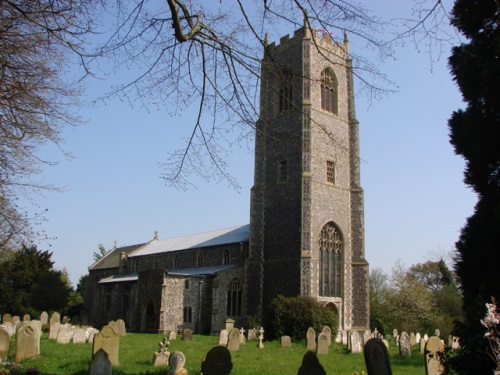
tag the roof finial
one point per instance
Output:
(266, 40)
(156, 235)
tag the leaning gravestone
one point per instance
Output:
(27, 341)
(4, 344)
(404, 345)
(187, 335)
(310, 365)
(421, 346)
(120, 328)
(311, 339)
(109, 341)
(233, 342)
(328, 333)
(100, 364)
(355, 342)
(286, 342)
(223, 337)
(177, 360)
(322, 344)
(377, 357)
(217, 362)
(433, 349)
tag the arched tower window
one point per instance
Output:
(199, 260)
(285, 90)
(226, 257)
(329, 91)
(234, 298)
(330, 261)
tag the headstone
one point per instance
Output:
(437, 332)
(426, 338)
(338, 339)
(421, 346)
(404, 345)
(328, 333)
(109, 341)
(27, 341)
(367, 335)
(177, 360)
(413, 339)
(37, 323)
(229, 324)
(311, 339)
(310, 365)
(160, 358)
(4, 344)
(355, 342)
(233, 342)
(395, 332)
(66, 320)
(172, 335)
(252, 334)
(65, 334)
(377, 358)
(433, 348)
(100, 364)
(9, 327)
(455, 343)
(261, 338)
(323, 344)
(187, 335)
(79, 336)
(223, 337)
(6, 318)
(217, 362)
(26, 318)
(120, 327)
(243, 340)
(345, 338)
(55, 318)
(16, 319)
(418, 337)
(286, 342)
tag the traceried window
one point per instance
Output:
(188, 315)
(329, 91)
(330, 261)
(285, 90)
(234, 298)
(199, 260)
(330, 172)
(283, 171)
(226, 257)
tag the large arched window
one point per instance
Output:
(329, 91)
(234, 298)
(330, 261)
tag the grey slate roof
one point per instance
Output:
(112, 259)
(218, 237)
(200, 271)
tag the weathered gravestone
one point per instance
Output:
(100, 364)
(79, 336)
(223, 337)
(355, 342)
(437, 332)
(311, 339)
(26, 318)
(217, 362)
(27, 341)
(229, 324)
(426, 338)
(4, 344)
(120, 328)
(421, 346)
(9, 327)
(177, 360)
(322, 344)
(55, 318)
(413, 340)
(386, 343)
(160, 358)
(377, 357)
(65, 334)
(112, 324)
(233, 342)
(367, 335)
(37, 323)
(404, 345)
(328, 333)
(395, 332)
(172, 335)
(310, 365)
(16, 319)
(286, 342)
(187, 335)
(66, 320)
(109, 341)
(433, 350)
(6, 318)
(418, 337)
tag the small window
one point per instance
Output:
(186, 284)
(283, 171)
(199, 260)
(176, 262)
(188, 314)
(226, 258)
(285, 90)
(329, 88)
(330, 172)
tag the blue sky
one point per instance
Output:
(415, 201)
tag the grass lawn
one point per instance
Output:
(136, 353)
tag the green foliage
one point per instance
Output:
(100, 253)
(292, 316)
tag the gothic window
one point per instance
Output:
(329, 91)
(234, 298)
(176, 262)
(188, 314)
(283, 171)
(330, 172)
(330, 261)
(226, 257)
(199, 260)
(285, 90)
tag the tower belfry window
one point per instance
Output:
(285, 90)
(329, 91)
(330, 172)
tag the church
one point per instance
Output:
(306, 231)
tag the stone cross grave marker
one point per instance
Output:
(187, 335)
(310, 365)
(109, 341)
(328, 333)
(311, 339)
(223, 337)
(243, 340)
(286, 342)
(261, 338)
(433, 348)
(404, 345)
(27, 341)
(100, 364)
(4, 344)
(437, 332)
(233, 342)
(377, 357)
(355, 342)
(177, 360)
(322, 344)
(217, 362)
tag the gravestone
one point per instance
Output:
(310, 365)
(160, 358)
(404, 345)
(437, 332)
(66, 320)
(79, 336)
(413, 339)
(65, 334)
(9, 327)
(217, 362)
(455, 343)
(26, 318)
(16, 319)
(322, 344)
(187, 335)
(109, 341)
(6, 318)
(311, 339)
(100, 364)
(243, 340)
(421, 346)
(377, 358)
(252, 334)
(433, 349)
(172, 335)
(177, 360)
(395, 332)
(112, 324)
(4, 344)
(338, 339)
(37, 323)
(233, 342)
(367, 335)
(418, 337)
(27, 341)
(120, 327)
(386, 343)
(345, 338)
(229, 324)
(286, 342)
(223, 337)
(261, 338)
(328, 333)
(355, 342)
(426, 338)
(55, 318)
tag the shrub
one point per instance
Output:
(292, 316)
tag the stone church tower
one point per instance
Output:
(306, 215)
